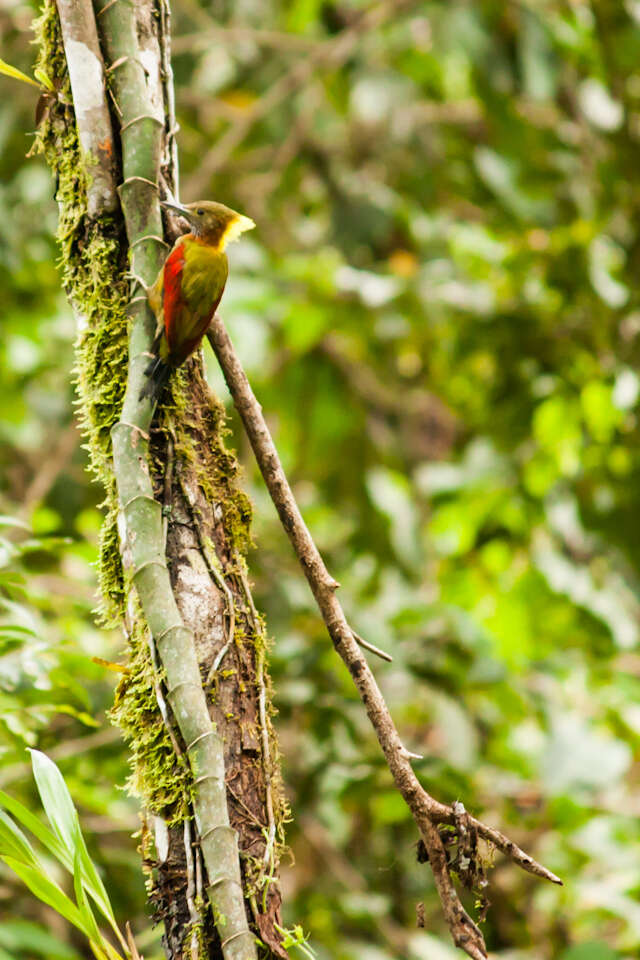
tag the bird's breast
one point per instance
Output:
(204, 275)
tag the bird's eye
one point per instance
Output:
(200, 212)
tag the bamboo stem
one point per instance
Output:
(141, 113)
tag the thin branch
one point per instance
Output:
(427, 812)
(371, 647)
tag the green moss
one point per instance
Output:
(92, 265)
(160, 778)
(216, 468)
(198, 930)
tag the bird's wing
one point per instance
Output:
(173, 300)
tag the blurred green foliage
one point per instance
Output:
(440, 317)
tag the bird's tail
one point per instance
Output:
(157, 374)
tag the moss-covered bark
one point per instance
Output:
(204, 518)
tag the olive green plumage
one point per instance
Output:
(189, 286)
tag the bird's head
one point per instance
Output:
(212, 222)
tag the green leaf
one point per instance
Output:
(43, 833)
(601, 416)
(81, 898)
(95, 887)
(48, 892)
(304, 325)
(63, 816)
(10, 71)
(23, 938)
(56, 800)
(44, 79)
(13, 842)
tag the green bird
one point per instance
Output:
(189, 286)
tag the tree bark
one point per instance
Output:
(195, 702)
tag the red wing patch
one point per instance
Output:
(172, 298)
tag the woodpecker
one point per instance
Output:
(189, 286)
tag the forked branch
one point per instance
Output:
(427, 812)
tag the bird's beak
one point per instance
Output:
(176, 207)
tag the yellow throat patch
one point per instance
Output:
(236, 227)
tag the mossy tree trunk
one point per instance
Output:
(200, 513)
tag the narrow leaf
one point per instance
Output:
(56, 800)
(63, 816)
(13, 842)
(48, 892)
(95, 887)
(38, 829)
(82, 902)
(10, 71)
(43, 78)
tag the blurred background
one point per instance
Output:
(439, 312)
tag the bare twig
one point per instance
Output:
(427, 812)
(372, 648)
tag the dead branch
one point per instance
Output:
(426, 811)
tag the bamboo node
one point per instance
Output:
(139, 496)
(234, 936)
(149, 236)
(148, 563)
(142, 116)
(141, 179)
(207, 733)
(132, 426)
